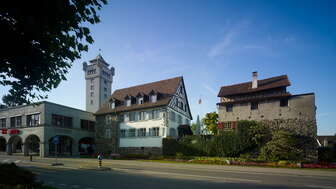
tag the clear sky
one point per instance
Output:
(212, 43)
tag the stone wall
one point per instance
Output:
(299, 107)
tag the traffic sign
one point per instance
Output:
(55, 140)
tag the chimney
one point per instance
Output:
(254, 80)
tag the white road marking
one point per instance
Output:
(179, 175)
(74, 186)
(17, 161)
(323, 187)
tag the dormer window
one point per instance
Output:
(140, 100)
(128, 102)
(153, 97)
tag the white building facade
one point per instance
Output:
(146, 114)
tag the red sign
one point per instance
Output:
(14, 131)
(4, 131)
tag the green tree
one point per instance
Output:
(211, 122)
(193, 127)
(283, 146)
(41, 39)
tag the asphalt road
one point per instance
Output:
(82, 173)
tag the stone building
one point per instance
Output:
(268, 101)
(30, 129)
(99, 78)
(136, 119)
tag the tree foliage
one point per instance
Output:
(211, 122)
(41, 40)
(283, 146)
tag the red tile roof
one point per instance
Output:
(166, 88)
(265, 84)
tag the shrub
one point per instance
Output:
(13, 176)
(283, 146)
(325, 154)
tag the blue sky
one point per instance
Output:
(212, 43)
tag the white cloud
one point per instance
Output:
(228, 42)
(210, 89)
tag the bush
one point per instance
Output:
(283, 146)
(326, 154)
(13, 177)
(135, 156)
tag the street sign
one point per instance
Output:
(55, 140)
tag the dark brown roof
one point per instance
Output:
(265, 84)
(256, 99)
(166, 88)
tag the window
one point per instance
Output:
(122, 133)
(155, 131)
(93, 71)
(142, 132)
(108, 119)
(92, 87)
(91, 94)
(172, 116)
(284, 102)
(140, 100)
(155, 114)
(126, 117)
(147, 115)
(105, 82)
(172, 132)
(61, 121)
(179, 119)
(105, 96)
(105, 89)
(33, 120)
(128, 102)
(229, 107)
(16, 121)
(91, 101)
(91, 80)
(254, 105)
(3, 122)
(153, 98)
(141, 116)
(87, 125)
(113, 105)
(132, 116)
(131, 132)
(108, 133)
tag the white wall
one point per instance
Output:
(147, 141)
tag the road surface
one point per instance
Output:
(82, 173)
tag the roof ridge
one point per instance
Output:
(251, 81)
(148, 83)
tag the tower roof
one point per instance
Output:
(99, 59)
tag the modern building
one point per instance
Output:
(99, 78)
(32, 129)
(136, 119)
